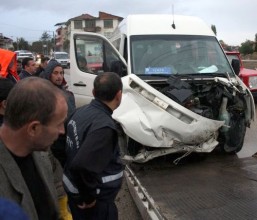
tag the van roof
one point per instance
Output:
(144, 24)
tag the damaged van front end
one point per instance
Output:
(185, 115)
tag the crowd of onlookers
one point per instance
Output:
(56, 161)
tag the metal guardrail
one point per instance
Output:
(144, 202)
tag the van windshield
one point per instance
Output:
(177, 54)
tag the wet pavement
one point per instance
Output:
(250, 143)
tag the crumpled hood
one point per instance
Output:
(153, 119)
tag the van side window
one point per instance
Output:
(89, 54)
(94, 56)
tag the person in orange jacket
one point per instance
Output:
(8, 65)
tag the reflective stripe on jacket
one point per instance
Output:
(105, 179)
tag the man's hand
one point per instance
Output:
(87, 206)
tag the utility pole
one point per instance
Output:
(17, 43)
(53, 41)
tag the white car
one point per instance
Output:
(62, 58)
(21, 54)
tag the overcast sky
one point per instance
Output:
(235, 21)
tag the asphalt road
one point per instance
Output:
(250, 142)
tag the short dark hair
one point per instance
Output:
(32, 98)
(25, 61)
(44, 59)
(5, 87)
(106, 86)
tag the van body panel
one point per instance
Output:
(162, 24)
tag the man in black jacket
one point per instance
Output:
(93, 172)
(28, 68)
(42, 65)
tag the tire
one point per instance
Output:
(234, 138)
(133, 147)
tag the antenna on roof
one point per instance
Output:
(173, 24)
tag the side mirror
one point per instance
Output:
(118, 67)
(236, 66)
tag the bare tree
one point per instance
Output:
(21, 44)
(46, 42)
(45, 37)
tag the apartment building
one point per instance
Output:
(104, 24)
(61, 37)
(6, 43)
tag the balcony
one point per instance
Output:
(92, 29)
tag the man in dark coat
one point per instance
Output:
(28, 68)
(42, 65)
(93, 171)
(25, 137)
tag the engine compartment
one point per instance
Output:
(203, 97)
(206, 98)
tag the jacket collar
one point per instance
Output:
(99, 104)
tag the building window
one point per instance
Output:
(90, 23)
(77, 24)
(108, 23)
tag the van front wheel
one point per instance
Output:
(234, 138)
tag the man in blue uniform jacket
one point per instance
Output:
(93, 172)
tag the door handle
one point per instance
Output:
(80, 84)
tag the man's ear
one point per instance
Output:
(3, 104)
(118, 96)
(34, 128)
(2, 107)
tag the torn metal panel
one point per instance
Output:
(145, 155)
(154, 120)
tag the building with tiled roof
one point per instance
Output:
(103, 24)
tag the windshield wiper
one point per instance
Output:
(162, 75)
(215, 74)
